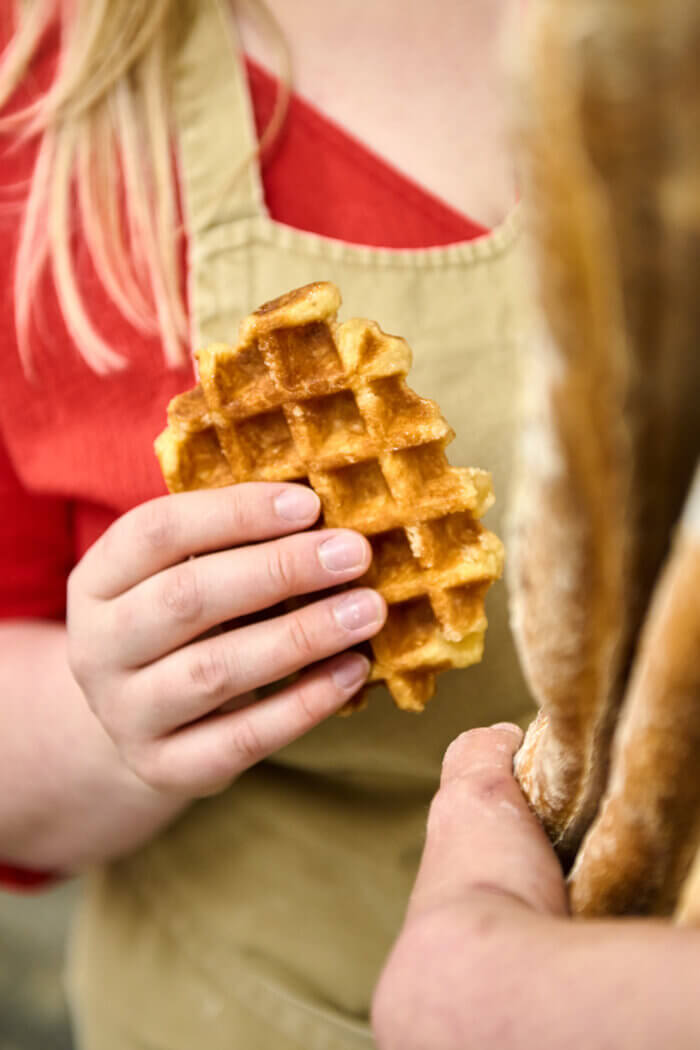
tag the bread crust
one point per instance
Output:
(606, 124)
(688, 910)
(639, 850)
(568, 539)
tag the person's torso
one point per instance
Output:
(271, 906)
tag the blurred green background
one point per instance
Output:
(32, 937)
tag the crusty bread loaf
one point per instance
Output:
(606, 124)
(568, 541)
(688, 910)
(640, 848)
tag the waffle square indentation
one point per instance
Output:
(303, 360)
(356, 497)
(330, 431)
(367, 350)
(268, 448)
(411, 629)
(239, 384)
(460, 610)
(442, 543)
(201, 463)
(398, 416)
(394, 571)
(418, 475)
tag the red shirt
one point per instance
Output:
(75, 447)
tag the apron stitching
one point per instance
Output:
(245, 232)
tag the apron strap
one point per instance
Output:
(216, 137)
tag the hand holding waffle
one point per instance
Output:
(302, 397)
(176, 698)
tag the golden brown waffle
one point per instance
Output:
(302, 398)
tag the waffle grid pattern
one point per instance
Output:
(302, 398)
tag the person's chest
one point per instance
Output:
(422, 87)
(88, 438)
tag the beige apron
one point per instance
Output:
(262, 918)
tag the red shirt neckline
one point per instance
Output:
(342, 188)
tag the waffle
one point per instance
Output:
(301, 398)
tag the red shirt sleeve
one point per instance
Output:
(21, 880)
(36, 549)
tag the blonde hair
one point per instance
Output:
(103, 134)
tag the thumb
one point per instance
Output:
(481, 835)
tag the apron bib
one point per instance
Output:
(261, 919)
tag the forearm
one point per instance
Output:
(66, 798)
(508, 979)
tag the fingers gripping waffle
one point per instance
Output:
(301, 398)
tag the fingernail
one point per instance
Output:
(297, 504)
(358, 610)
(351, 673)
(342, 552)
(510, 726)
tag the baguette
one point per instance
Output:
(639, 850)
(606, 125)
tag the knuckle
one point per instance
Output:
(489, 785)
(111, 706)
(108, 707)
(308, 697)
(211, 672)
(123, 615)
(155, 525)
(301, 638)
(237, 507)
(244, 508)
(145, 760)
(181, 594)
(281, 569)
(480, 788)
(246, 744)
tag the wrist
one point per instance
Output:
(67, 799)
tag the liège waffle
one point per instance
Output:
(302, 398)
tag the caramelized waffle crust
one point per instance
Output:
(302, 398)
